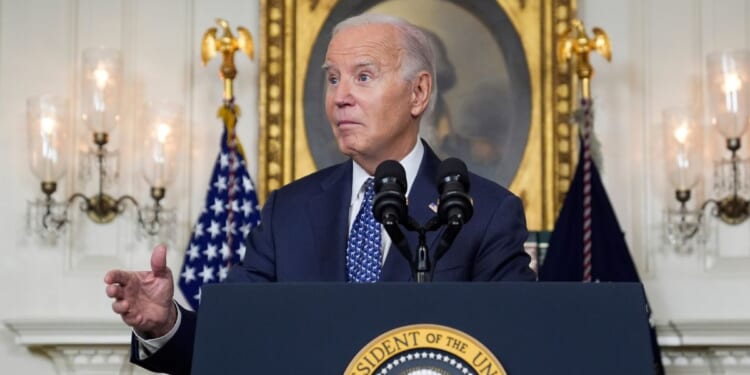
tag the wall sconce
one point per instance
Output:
(728, 94)
(47, 119)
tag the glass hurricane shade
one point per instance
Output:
(161, 139)
(101, 89)
(683, 140)
(728, 85)
(47, 125)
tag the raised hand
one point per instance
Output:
(144, 298)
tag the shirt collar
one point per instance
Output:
(410, 163)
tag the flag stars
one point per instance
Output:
(189, 274)
(241, 251)
(245, 229)
(217, 238)
(223, 272)
(207, 274)
(221, 183)
(193, 252)
(218, 206)
(214, 229)
(247, 207)
(198, 231)
(230, 227)
(226, 252)
(234, 206)
(211, 252)
(224, 160)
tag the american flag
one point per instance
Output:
(230, 212)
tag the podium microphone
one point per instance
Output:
(453, 184)
(389, 205)
(390, 193)
(455, 207)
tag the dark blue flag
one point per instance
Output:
(229, 213)
(610, 257)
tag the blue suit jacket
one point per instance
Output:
(304, 230)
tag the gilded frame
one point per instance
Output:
(289, 29)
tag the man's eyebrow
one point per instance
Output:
(327, 66)
(366, 63)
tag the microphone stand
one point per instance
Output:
(424, 267)
(423, 272)
(391, 227)
(421, 265)
(454, 226)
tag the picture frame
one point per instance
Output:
(506, 101)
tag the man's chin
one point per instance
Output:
(351, 154)
(349, 150)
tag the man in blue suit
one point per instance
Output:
(380, 81)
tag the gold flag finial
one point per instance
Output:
(227, 44)
(575, 44)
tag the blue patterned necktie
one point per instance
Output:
(363, 255)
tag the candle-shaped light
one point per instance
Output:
(728, 92)
(47, 118)
(159, 157)
(101, 76)
(684, 153)
(101, 90)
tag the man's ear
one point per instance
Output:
(420, 95)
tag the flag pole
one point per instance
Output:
(227, 44)
(231, 206)
(574, 47)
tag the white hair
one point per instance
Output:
(418, 52)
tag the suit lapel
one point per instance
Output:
(329, 215)
(421, 195)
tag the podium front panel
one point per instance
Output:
(318, 328)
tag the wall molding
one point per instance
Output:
(705, 347)
(77, 346)
(93, 346)
(704, 333)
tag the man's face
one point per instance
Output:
(370, 106)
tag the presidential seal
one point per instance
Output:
(424, 349)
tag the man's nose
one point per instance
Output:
(343, 94)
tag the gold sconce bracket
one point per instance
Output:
(101, 208)
(733, 210)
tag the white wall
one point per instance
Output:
(659, 50)
(40, 50)
(658, 55)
